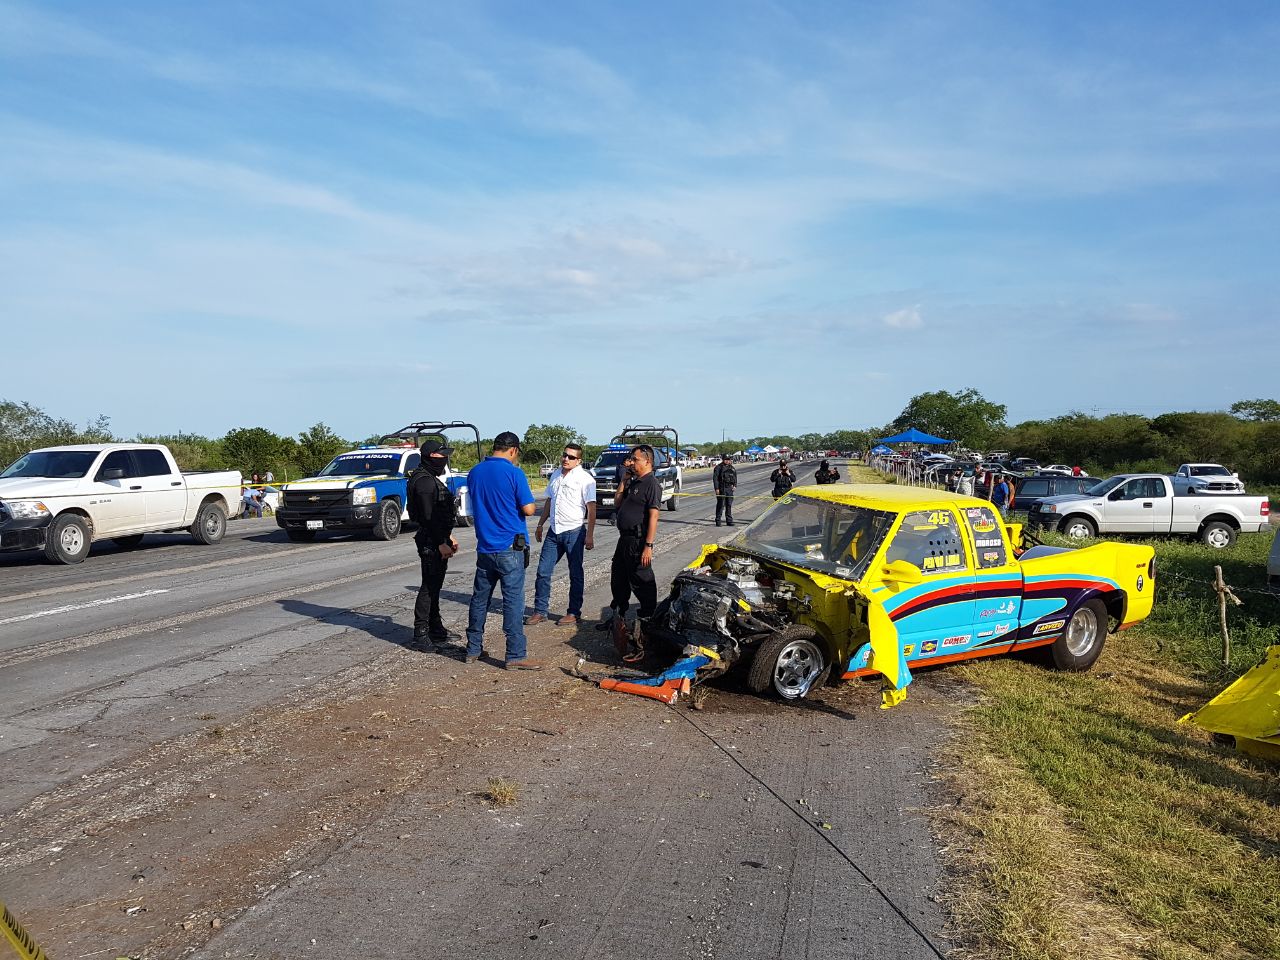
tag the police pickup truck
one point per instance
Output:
(366, 490)
(666, 444)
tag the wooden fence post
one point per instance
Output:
(1224, 592)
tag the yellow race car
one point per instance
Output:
(848, 580)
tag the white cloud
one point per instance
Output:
(908, 318)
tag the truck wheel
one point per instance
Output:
(791, 663)
(671, 501)
(68, 539)
(210, 525)
(387, 526)
(301, 536)
(127, 543)
(1218, 535)
(1081, 642)
(1079, 528)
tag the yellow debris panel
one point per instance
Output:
(1248, 710)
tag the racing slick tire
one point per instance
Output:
(790, 663)
(671, 500)
(127, 543)
(68, 539)
(387, 526)
(1079, 528)
(211, 524)
(301, 536)
(1082, 641)
(1218, 535)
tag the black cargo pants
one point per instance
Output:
(426, 610)
(627, 576)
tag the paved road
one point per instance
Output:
(233, 745)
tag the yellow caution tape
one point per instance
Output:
(27, 948)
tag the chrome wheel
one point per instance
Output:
(799, 664)
(1082, 631)
(72, 539)
(1078, 530)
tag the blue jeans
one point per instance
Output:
(506, 568)
(554, 547)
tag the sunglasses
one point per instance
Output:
(569, 456)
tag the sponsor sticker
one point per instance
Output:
(1003, 610)
(991, 556)
(1001, 628)
(955, 641)
(1141, 582)
(988, 542)
(909, 649)
(929, 646)
(983, 634)
(983, 525)
(1050, 626)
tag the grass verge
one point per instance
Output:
(1089, 823)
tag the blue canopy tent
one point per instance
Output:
(880, 450)
(755, 448)
(916, 436)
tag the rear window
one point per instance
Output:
(1034, 488)
(151, 463)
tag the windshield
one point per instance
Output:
(55, 464)
(1106, 486)
(1210, 470)
(371, 464)
(832, 538)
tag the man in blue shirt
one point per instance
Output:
(500, 500)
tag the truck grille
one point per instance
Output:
(315, 499)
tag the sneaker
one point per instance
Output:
(568, 621)
(535, 619)
(527, 663)
(444, 636)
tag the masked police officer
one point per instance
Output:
(432, 508)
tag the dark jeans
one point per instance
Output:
(627, 576)
(572, 542)
(724, 505)
(426, 611)
(505, 568)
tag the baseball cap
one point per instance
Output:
(505, 440)
(435, 446)
(725, 456)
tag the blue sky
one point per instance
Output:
(756, 217)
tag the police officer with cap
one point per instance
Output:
(432, 508)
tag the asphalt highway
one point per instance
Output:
(235, 751)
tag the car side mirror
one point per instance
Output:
(112, 473)
(902, 572)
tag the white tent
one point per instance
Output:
(770, 448)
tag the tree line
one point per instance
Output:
(1246, 438)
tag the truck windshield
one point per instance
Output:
(54, 464)
(1210, 470)
(832, 538)
(1105, 487)
(368, 465)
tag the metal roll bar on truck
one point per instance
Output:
(423, 430)
(665, 441)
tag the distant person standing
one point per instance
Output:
(964, 484)
(782, 479)
(724, 480)
(826, 473)
(433, 508)
(500, 500)
(571, 508)
(1000, 494)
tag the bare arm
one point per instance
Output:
(591, 526)
(651, 531)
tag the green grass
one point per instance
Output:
(1090, 823)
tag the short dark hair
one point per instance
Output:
(505, 441)
(645, 449)
(573, 446)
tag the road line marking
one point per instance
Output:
(80, 606)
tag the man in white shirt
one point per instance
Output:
(571, 508)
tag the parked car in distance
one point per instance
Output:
(1152, 503)
(1030, 489)
(62, 499)
(1210, 477)
(1061, 469)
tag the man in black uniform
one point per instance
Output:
(639, 499)
(782, 479)
(432, 508)
(826, 473)
(724, 480)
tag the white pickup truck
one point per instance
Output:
(62, 499)
(1152, 503)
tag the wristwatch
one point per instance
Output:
(649, 544)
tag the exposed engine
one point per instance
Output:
(722, 611)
